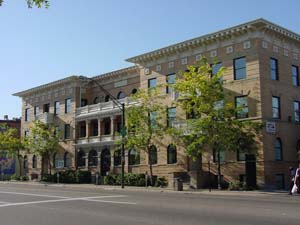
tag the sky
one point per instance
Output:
(93, 37)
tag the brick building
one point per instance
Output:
(262, 75)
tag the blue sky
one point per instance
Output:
(92, 37)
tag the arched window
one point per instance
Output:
(117, 158)
(96, 100)
(81, 158)
(278, 149)
(153, 155)
(134, 91)
(121, 95)
(172, 154)
(93, 159)
(133, 157)
(107, 98)
(67, 159)
(25, 163)
(55, 160)
(34, 162)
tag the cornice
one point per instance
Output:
(213, 37)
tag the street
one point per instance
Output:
(64, 205)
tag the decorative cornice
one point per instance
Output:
(209, 38)
(48, 85)
(116, 72)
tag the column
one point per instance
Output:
(87, 160)
(99, 126)
(112, 125)
(112, 161)
(126, 164)
(87, 128)
(99, 163)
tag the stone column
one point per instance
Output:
(112, 161)
(126, 165)
(99, 126)
(112, 125)
(87, 128)
(99, 163)
(87, 160)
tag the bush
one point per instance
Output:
(24, 178)
(161, 182)
(83, 177)
(47, 178)
(237, 186)
(15, 177)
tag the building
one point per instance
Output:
(262, 62)
(8, 165)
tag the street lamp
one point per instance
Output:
(121, 106)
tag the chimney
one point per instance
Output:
(5, 117)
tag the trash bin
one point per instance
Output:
(178, 184)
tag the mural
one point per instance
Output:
(7, 165)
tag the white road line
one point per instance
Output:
(114, 202)
(30, 194)
(70, 199)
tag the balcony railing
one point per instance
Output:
(45, 117)
(103, 107)
(97, 140)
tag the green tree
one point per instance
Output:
(146, 123)
(213, 123)
(32, 3)
(11, 143)
(43, 140)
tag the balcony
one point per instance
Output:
(96, 140)
(102, 109)
(45, 117)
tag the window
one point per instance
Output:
(276, 107)
(295, 75)
(67, 159)
(67, 105)
(215, 68)
(26, 133)
(117, 158)
(56, 108)
(81, 158)
(170, 81)
(215, 156)
(56, 160)
(171, 154)
(27, 114)
(278, 149)
(36, 110)
(153, 155)
(133, 157)
(67, 131)
(279, 181)
(239, 65)
(83, 102)
(46, 107)
(34, 162)
(152, 83)
(153, 116)
(241, 103)
(240, 155)
(296, 111)
(121, 95)
(25, 163)
(107, 98)
(171, 116)
(274, 69)
(93, 158)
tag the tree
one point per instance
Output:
(11, 143)
(146, 124)
(213, 123)
(32, 3)
(42, 140)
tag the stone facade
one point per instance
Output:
(95, 120)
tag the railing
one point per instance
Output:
(97, 139)
(103, 107)
(45, 117)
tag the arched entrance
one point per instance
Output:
(105, 161)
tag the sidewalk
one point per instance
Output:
(149, 189)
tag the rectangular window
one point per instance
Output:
(241, 156)
(152, 117)
(239, 65)
(27, 114)
(275, 107)
(152, 83)
(241, 103)
(56, 108)
(26, 133)
(215, 68)
(171, 116)
(46, 108)
(274, 69)
(296, 111)
(36, 110)
(295, 75)
(67, 105)
(67, 131)
(215, 156)
(170, 81)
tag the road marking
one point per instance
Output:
(71, 199)
(114, 202)
(30, 194)
(4, 202)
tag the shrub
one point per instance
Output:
(47, 178)
(161, 182)
(237, 186)
(15, 177)
(24, 178)
(83, 177)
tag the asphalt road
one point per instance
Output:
(46, 205)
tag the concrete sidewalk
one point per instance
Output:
(150, 189)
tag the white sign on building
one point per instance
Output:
(271, 127)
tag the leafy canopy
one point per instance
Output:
(32, 3)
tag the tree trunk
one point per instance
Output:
(151, 171)
(49, 161)
(219, 170)
(19, 162)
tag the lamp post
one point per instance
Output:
(121, 106)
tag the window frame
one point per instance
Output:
(56, 108)
(295, 77)
(235, 69)
(276, 107)
(149, 82)
(27, 114)
(274, 69)
(296, 111)
(68, 104)
(67, 131)
(171, 150)
(239, 114)
(171, 118)
(278, 150)
(168, 88)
